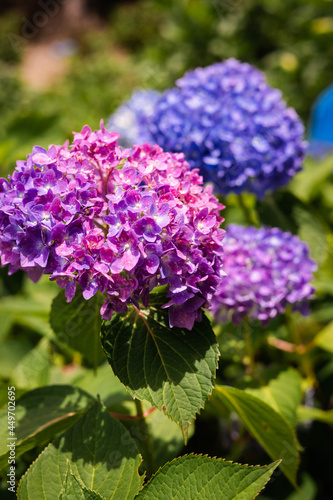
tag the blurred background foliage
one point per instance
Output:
(76, 69)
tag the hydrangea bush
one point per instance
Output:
(267, 270)
(134, 240)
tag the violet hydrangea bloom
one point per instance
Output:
(116, 221)
(267, 269)
(130, 119)
(232, 125)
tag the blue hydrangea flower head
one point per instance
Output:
(130, 119)
(232, 125)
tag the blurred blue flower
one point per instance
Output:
(130, 119)
(234, 127)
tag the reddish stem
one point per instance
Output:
(123, 416)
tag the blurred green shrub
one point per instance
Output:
(9, 26)
(291, 41)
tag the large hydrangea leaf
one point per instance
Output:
(173, 369)
(197, 477)
(78, 324)
(40, 415)
(73, 490)
(267, 426)
(102, 456)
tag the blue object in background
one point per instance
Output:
(321, 124)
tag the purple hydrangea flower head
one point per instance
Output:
(130, 119)
(116, 221)
(267, 269)
(231, 125)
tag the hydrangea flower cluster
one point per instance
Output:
(233, 126)
(114, 220)
(267, 269)
(130, 119)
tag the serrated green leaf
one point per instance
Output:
(324, 338)
(268, 427)
(78, 324)
(172, 368)
(195, 477)
(102, 455)
(283, 393)
(73, 490)
(40, 414)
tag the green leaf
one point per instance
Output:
(11, 353)
(72, 489)
(102, 455)
(40, 414)
(309, 182)
(166, 438)
(106, 385)
(307, 413)
(312, 231)
(267, 426)
(78, 324)
(324, 338)
(195, 477)
(306, 491)
(172, 368)
(33, 370)
(283, 393)
(165, 435)
(6, 323)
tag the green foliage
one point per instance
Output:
(324, 339)
(10, 52)
(308, 414)
(194, 477)
(266, 425)
(172, 369)
(40, 415)
(165, 436)
(102, 456)
(78, 324)
(103, 383)
(72, 489)
(282, 392)
(148, 44)
(33, 369)
(291, 42)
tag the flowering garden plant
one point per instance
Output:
(149, 275)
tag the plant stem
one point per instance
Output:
(250, 214)
(304, 362)
(125, 416)
(146, 439)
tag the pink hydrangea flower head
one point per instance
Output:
(114, 220)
